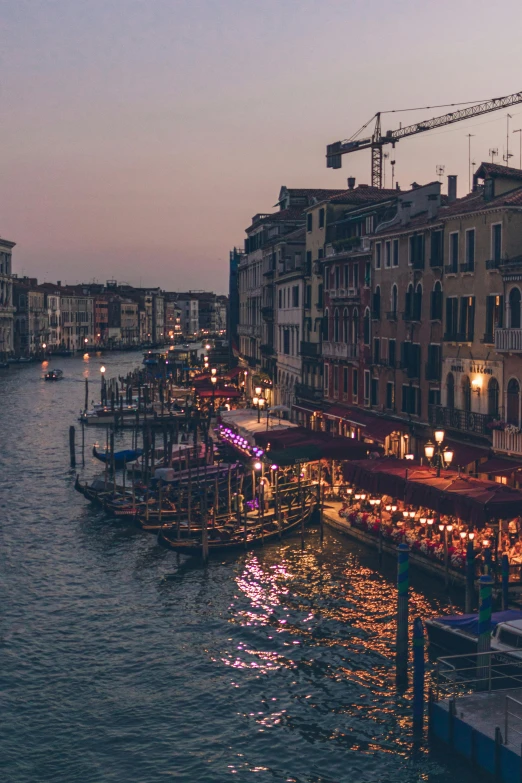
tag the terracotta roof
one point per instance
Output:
(292, 213)
(317, 193)
(495, 170)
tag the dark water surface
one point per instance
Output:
(119, 662)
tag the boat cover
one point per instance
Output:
(469, 622)
(128, 455)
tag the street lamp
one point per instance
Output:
(214, 381)
(434, 452)
(260, 403)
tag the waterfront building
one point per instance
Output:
(31, 324)
(172, 317)
(101, 319)
(54, 337)
(235, 258)
(7, 308)
(77, 318)
(189, 305)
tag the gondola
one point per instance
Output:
(229, 538)
(121, 458)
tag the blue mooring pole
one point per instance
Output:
(403, 583)
(505, 581)
(470, 578)
(418, 675)
(487, 560)
(484, 632)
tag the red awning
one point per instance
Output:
(465, 453)
(379, 429)
(496, 466)
(229, 394)
(372, 426)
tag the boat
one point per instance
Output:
(232, 537)
(458, 634)
(121, 458)
(53, 375)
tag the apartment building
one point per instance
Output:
(7, 308)
(31, 325)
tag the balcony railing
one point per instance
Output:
(451, 269)
(333, 350)
(467, 267)
(493, 263)
(508, 340)
(344, 293)
(457, 419)
(249, 330)
(311, 350)
(305, 392)
(506, 440)
(267, 349)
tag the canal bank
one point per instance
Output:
(121, 662)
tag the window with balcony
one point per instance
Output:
(496, 241)
(390, 395)
(514, 308)
(395, 253)
(467, 318)
(436, 302)
(453, 265)
(494, 317)
(346, 278)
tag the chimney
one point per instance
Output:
(351, 183)
(452, 188)
(59, 283)
(433, 205)
(405, 211)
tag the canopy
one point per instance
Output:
(229, 394)
(372, 426)
(497, 466)
(312, 445)
(468, 498)
(465, 453)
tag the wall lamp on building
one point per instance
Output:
(476, 385)
(434, 453)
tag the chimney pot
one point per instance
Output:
(452, 188)
(351, 183)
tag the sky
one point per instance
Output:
(139, 137)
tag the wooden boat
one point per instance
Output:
(458, 634)
(120, 457)
(53, 375)
(229, 538)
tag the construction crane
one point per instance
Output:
(335, 151)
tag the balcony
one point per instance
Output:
(411, 316)
(508, 440)
(333, 350)
(347, 245)
(492, 264)
(508, 340)
(392, 315)
(249, 330)
(457, 419)
(451, 269)
(305, 392)
(310, 350)
(344, 293)
(467, 267)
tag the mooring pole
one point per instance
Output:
(470, 578)
(505, 581)
(86, 394)
(418, 675)
(72, 449)
(403, 582)
(484, 632)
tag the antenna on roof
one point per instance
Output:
(493, 152)
(440, 170)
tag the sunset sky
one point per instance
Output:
(139, 137)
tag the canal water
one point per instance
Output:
(121, 662)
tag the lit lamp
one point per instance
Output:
(409, 456)
(476, 385)
(394, 507)
(429, 450)
(471, 536)
(423, 520)
(260, 403)
(214, 381)
(439, 436)
(434, 454)
(388, 507)
(463, 535)
(257, 465)
(447, 456)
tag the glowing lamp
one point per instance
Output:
(388, 507)
(394, 507)
(449, 528)
(258, 390)
(429, 450)
(430, 521)
(471, 536)
(405, 514)
(409, 456)
(102, 369)
(485, 542)
(441, 528)
(463, 535)
(257, 465)
(439, 436)
(273, 467)
(423, 520)
(363, 497)
(255, 400)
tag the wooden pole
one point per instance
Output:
(470, 578)
(484, 632)
(505, 582)
(229, 482)
(301, 505)
(160, 500)
(86, 394)
(204, 531)
(72, 449)
(83, 443)
(403, 582)
(418, 675)
(124, 472)
(189, 499)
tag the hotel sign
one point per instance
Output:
(479, 369)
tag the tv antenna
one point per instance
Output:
(440, 170)
(493, 152)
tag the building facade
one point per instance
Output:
(7, 308)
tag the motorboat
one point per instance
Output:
(53, 375)
(458, 634)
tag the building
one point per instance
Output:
(236, 256)
(77, 318)
(7, 309)
(31, 325)
(172, 317)
(189, 306)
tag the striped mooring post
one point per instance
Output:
(403, 583)
(505, 581)
(470, 578)
(484, 632)
(418, 675)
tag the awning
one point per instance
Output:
(496, 466)
(379, 429)
(325, 445)
(465, 453)
(305, 409)
(229, 394)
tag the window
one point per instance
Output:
(433, 396)
(346, 326)
(295, 296)
(411, 359)
(367, 274)
(376, 303)
(369, 224)
(454, 252)
(387, 254)
(411, 400)
(467, 318)
(355, 385)
(466, 393)
(393, 300)
(408, 302)
(417, 303)
(493, 391)
(346, 280)
(417, 251)
(321, 217)
(280, 298)
(436, 302)
(286, 341)
(450, 390)
(345, 380)
(309, 222)
(366, 326)
(470, 250)
(496, 241)
(320, 297)
(374, 396)
(308, 268)
(308, 296)
(355, 326)
(452, 304)
(326, 325)
(392, 352)
(376, 350)
(513, 402)
(336, 380)
(378, 250)
(390, 395)
(395, 252)
(320, 253)
(336, 326)
(326, 378)
(384, 350)
(366, 387)
(514, 308)
(436, 242)
(356, 276)
(434, 363)
(337, 277)
(494, 316)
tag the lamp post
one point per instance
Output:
(435, 454)
(214, 381)
(103, 395)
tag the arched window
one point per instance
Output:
(355, 326)
(376, 306)
(493, 397)
(466, 393)
(514, 308)
(513, 402)
(326, 325)
(408, 302)
(346, 326)
(450, 390)
(393, 299)
(436, 302)
(417, 303)
(336, 326)
(366, 326)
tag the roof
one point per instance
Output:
(292, 213)
(363, 194)
(495, 170)
(319, 194)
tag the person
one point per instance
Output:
(515, 554)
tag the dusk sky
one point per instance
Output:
(139, 137)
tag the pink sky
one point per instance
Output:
(139, 137)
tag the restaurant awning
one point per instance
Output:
(308, 409)
(465, 453)
(372, 426)
(496, 466)
(326, 445)
(229, 394)
(470, 499)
